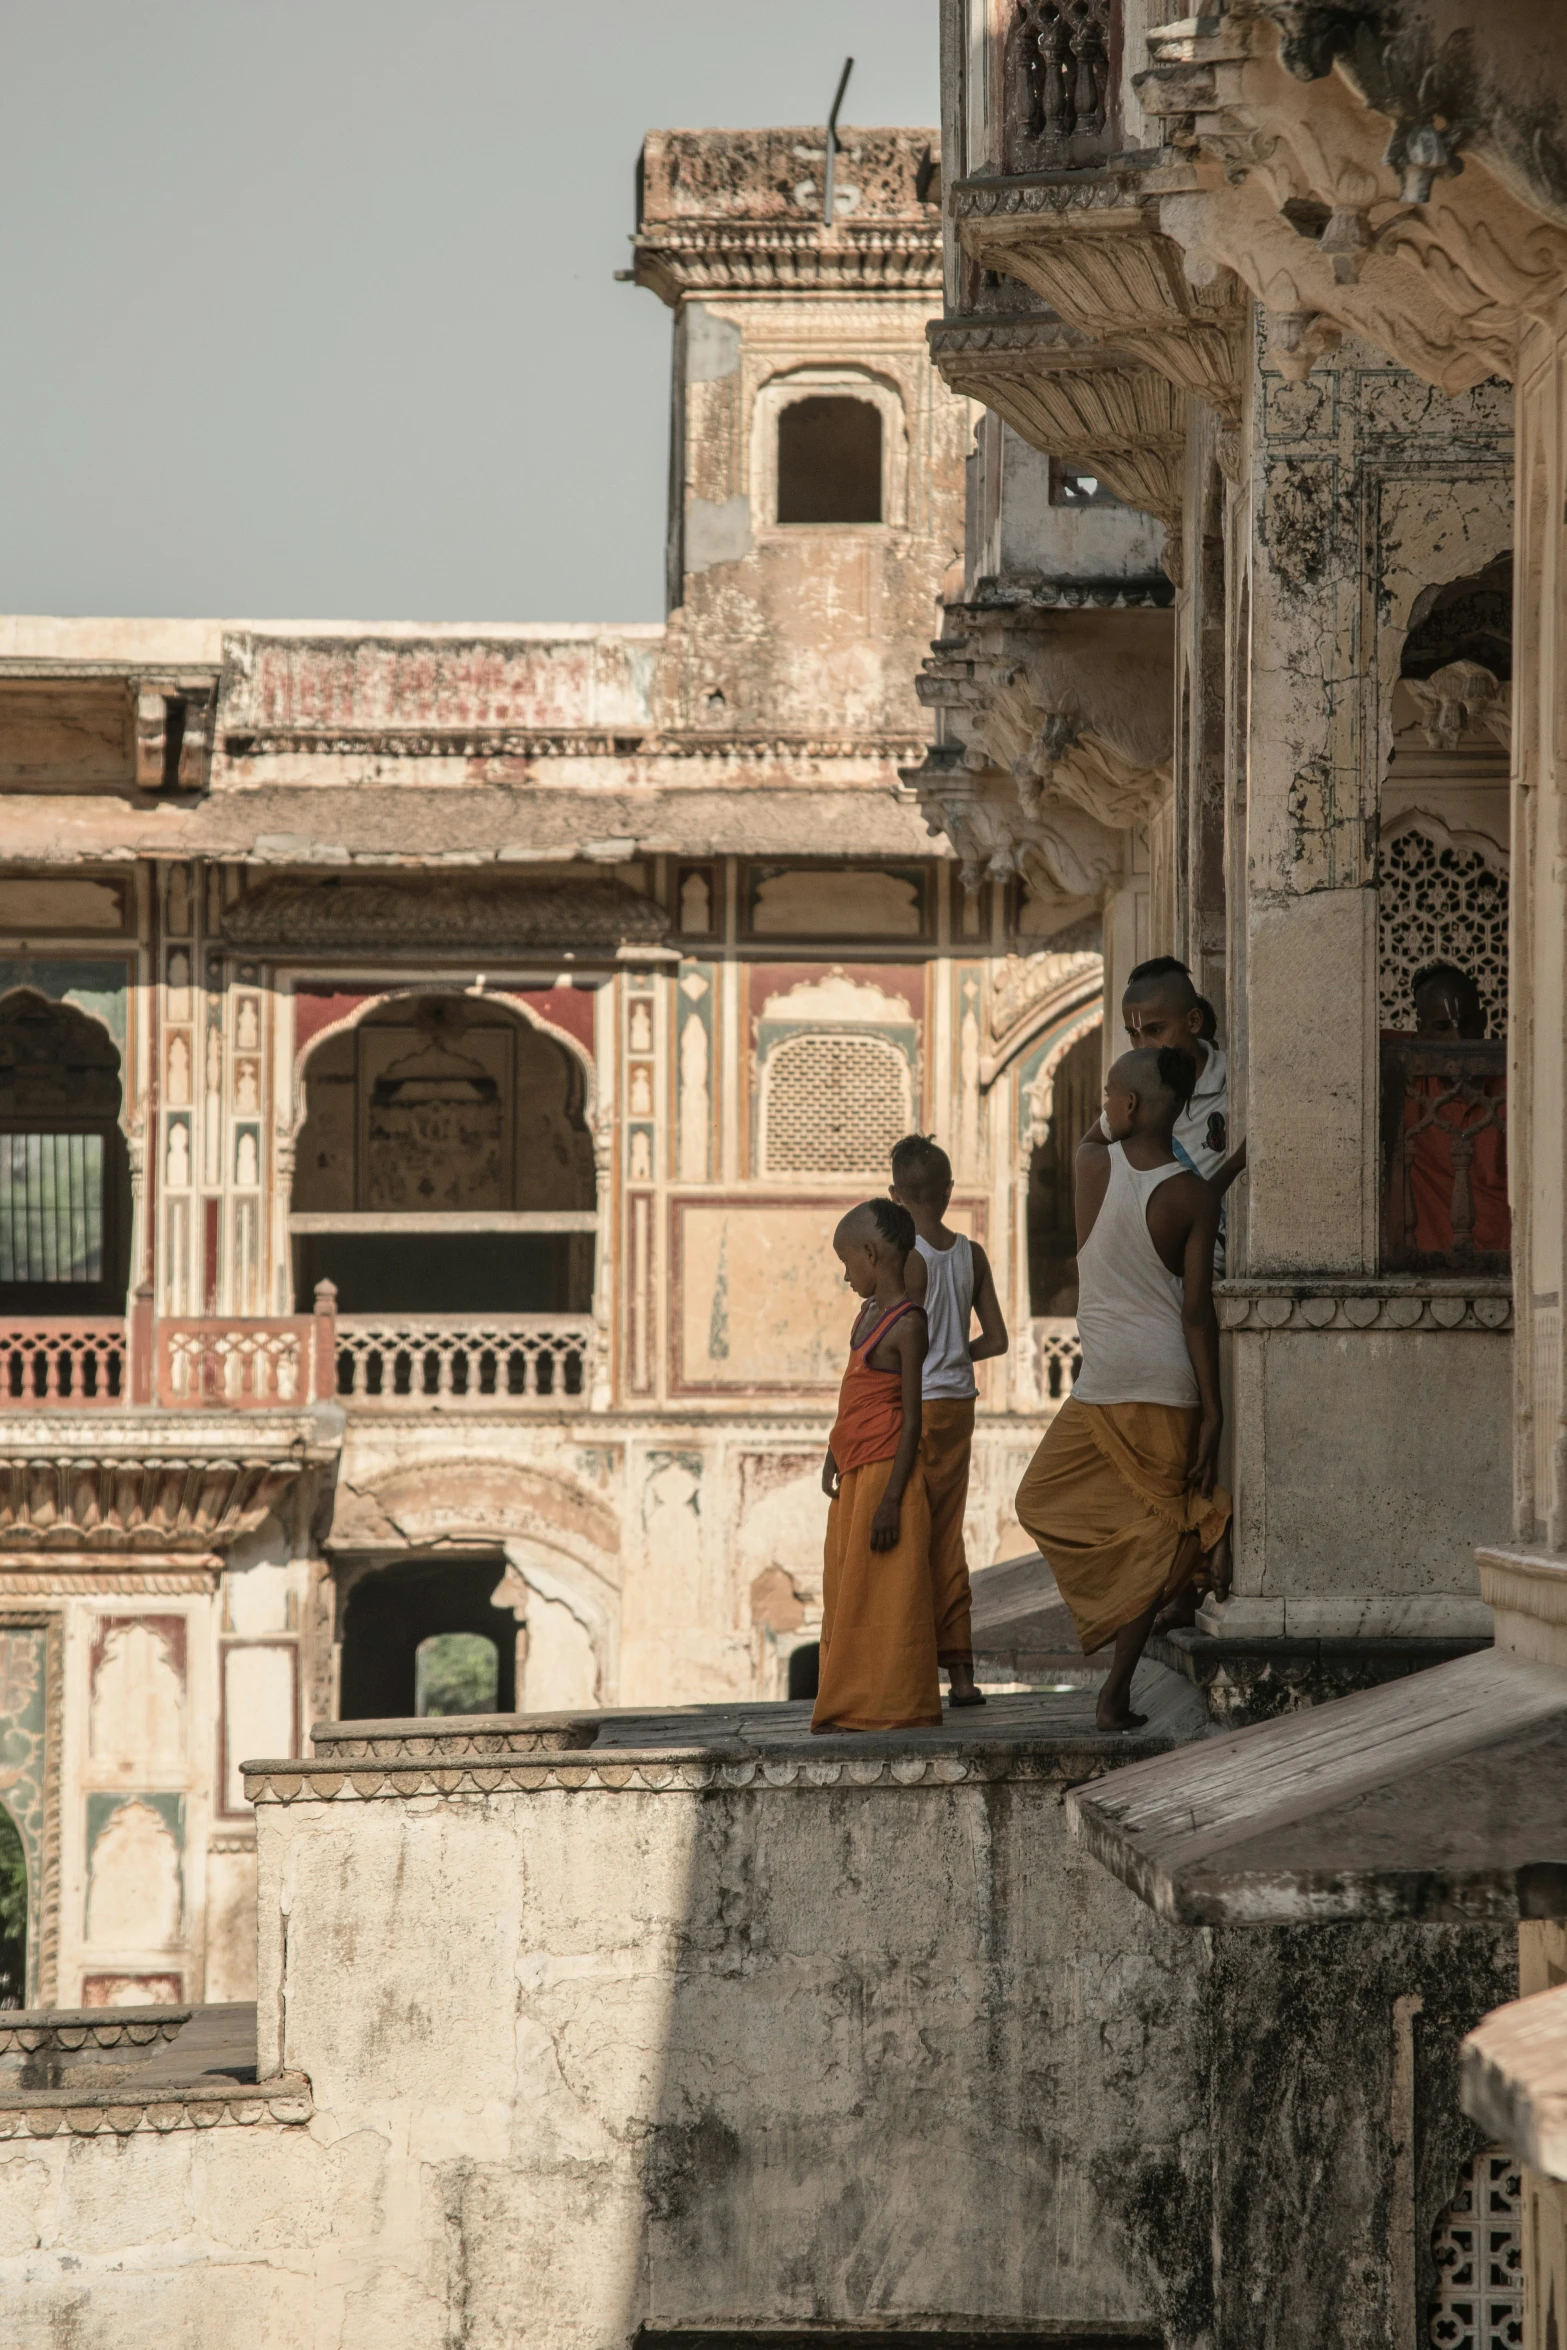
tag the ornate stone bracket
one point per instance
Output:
(1094, 247)
(1055, 741)
(1339, 197)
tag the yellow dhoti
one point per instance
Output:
(878, 1654)
(1106, 1500)
(946, 1437)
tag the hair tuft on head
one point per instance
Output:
(893, 1222)
(1178, 1073)
(921, 1167)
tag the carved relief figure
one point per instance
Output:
(247, 1088)
(247, 1162)
(247, 1027)
(641, 1156)
(641, 1028)
(179, 1071)
(642, 1093)
(177, 1173)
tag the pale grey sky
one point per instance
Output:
(308, 305)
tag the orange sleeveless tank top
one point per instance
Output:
(870, 1403)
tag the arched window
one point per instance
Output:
(430, 1128)
(64, 1167)
(829, 460)
(833, 1103)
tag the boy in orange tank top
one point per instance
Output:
(878, 1652)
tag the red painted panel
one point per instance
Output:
(316, 1008)
(901, 979)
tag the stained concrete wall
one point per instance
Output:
(747, 2031)
(755, 2053)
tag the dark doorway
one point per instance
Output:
(65, 1179)
(829, 461)
(1052, 1224)
(805, 1665)
(392, 1610)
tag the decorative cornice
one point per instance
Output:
(126, 1577)
(37, 2031)
(86, 1499)
(561, 742)
(787, 257)
(1272, 1309)
(355, 914)
(678, 1771)
(118, 2112)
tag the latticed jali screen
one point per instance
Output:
(834, 1105)
(1441, 904)
(1478, 2304)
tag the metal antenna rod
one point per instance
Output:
(832, 141)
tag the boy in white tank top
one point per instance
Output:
(1120, 1497)
(949, 1275)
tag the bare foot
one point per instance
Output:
(1127, 1720)
(962, 1689)
(1181, 1613)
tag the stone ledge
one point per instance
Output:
(1047, 1738)
(1513, 2079)
(120, 2112)
(1365, 1307)
(664, 1773)
(73, 2028)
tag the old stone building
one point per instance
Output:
(599, 2027)
(435, 1059)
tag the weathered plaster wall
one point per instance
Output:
(587, 2060)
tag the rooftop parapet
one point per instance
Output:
(741, 211)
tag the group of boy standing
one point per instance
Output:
(1120, 1497)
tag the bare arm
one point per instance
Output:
(916, 1276)
(992, 1339)
(1201, 1326)
(907, 1341)
(1234, 1165)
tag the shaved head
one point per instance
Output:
(877, 1223)
(1173, 987)
(1162, 1078)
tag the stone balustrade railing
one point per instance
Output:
(474, 1361)
(57, 1362)
(56, 1359)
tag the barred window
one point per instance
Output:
(51, 1208)
(834, 1104)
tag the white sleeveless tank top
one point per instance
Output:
(1128, 1300)
(949, 1301)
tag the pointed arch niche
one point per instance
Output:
(445, 1163)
